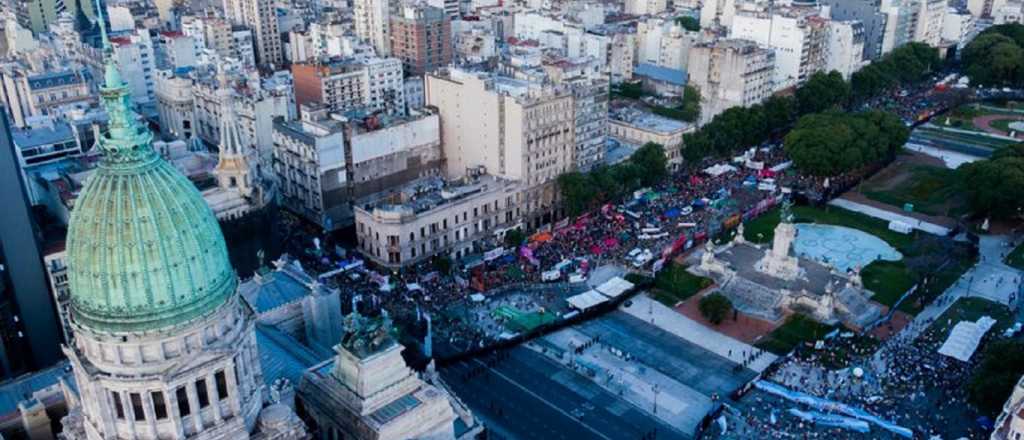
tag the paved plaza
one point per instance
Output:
(649, 310)
(841, 247)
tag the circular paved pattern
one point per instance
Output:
(842, 247)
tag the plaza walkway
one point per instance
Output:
(677, 324)
(878, 213)
(990, 279)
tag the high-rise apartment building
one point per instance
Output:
(372, 23)
(421, 36)
(730, 73)
(845, 50)
(512, 128)
(37, 15)
(137, 62)
(29, 331)
(798, 35)
(342, 84)
(872, 19)
(261, 17)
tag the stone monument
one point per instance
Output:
(777, 262)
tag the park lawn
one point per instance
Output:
(674, 284)
(762, 229)
(830, 215)
(1016, 258)
(797, 330)
(932, 190)
(970, 309)
(888, 279)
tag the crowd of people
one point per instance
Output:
(692, 206)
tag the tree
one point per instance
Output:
(715, 308)
(689, 23)
(652, 163)
(691, 104)
(514, 238)
(994, 186)
(991, 384)
(821, 92)
(829, 144)
(996, 56)
(576, 192)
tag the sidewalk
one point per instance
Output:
(677, 324)
(882, 214)
(982, 281)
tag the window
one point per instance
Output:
(137, 407)
(182, 396)
(118, 406)
(222, 385)
(204, 399)
(159, 405)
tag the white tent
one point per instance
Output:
(614, 287)
(586, 300)
(965, 337)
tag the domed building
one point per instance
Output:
(163, 346)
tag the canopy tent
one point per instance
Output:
(965, 337)
(476, 297)
(586, 300)
(614, 287)
(541, 237)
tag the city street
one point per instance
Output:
(527, 396)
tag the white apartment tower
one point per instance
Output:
(798, 35)
(261, 17)
(845, 51)
(730, 73)
(513, 129)
(372, 19)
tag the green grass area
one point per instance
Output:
(888, 279)
(1004, 124)
(830, 215)
(762, 229)
(674, 285)
(932, 190)
(519, 321)
(963, 116)
(970, 309)
(937, 283)
(797, 330)
(977, 140)
(1016, 258)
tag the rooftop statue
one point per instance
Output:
(366, 335)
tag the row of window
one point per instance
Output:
(160, 411)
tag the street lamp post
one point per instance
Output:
(656, 390)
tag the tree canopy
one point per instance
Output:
(904, 65)
(832, 143)
(994, 186)
(689, 23)
(715, 307)
(822, 91)
(1001, 366)
(584, 191)
(996, 56)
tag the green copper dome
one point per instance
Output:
(144, 249)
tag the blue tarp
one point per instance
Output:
(832, 406)
(672, 213)
(659, 73)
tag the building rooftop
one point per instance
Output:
(55, 79)
(647, 120)
(30, 137)
(659, 73)
(429, 193)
